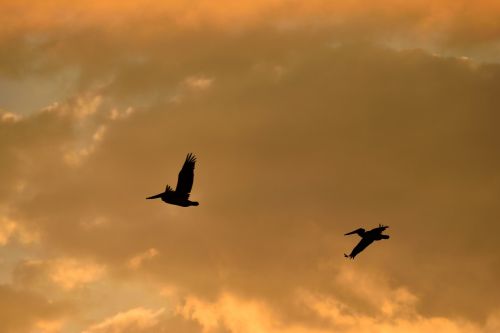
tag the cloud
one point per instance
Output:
(422, 16)
(7, 228)
(133, 35)
(65, 273)
(10, 229)
(304, 126)
(70, 273)
(234, 314)
(134, 320)
(9, 116)
(22, 310)
(351, 136)
(49, 326)
(200, 83)
(136, 261)
(76, 157)
(80, 107)
(118, 114)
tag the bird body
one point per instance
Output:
(180, 197)
(367, 237)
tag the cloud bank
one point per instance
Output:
(308, 121)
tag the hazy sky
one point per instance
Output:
(309, 119)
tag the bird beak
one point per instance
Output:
(155, 196)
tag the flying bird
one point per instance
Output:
(367, 237)
(180, 197)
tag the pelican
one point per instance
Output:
(367, 237)
(180, 197)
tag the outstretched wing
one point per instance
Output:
(359, 231)
(186, 177)
(363, 243)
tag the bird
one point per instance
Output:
(367, 237)
(180, 197)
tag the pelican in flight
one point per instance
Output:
(180, 197)
(367, 237)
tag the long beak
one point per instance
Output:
(155, 196)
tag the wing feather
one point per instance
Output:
(186, 177)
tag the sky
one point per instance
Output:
(309, 119)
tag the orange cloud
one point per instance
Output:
(304, 127)
(134, 320)
(237, 315)
(459, 21)
(136, 261)
(71, 273)
(10, 229)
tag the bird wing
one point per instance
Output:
(357, 231)
(186, 177)
(363, 243)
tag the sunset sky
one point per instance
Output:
(309, 119)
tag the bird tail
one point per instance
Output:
(385, 236)
(155, 196)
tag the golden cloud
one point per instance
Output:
(136, 261)
(71, 273)
(133, 320)
(10, 229)
(231, 314)
(304, 126)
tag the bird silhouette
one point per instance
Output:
(367, 237)
(180, 197)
